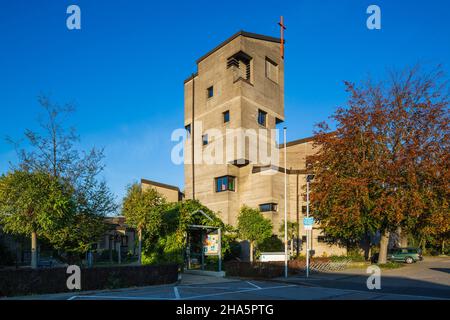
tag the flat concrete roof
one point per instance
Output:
(159, 184)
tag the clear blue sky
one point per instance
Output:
(125, 68)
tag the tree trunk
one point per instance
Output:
(251, 251)
(119, 253)
(366, 247)
(384, 242)
(402, 238)
(34, 253)
(140, 246)
(443, 247)
(292, 247)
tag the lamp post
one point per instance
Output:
(285, 210)
(309, 178)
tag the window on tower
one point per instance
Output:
(240, 63)
(267, 207)
(205, 139)
(210, 92)
(225, 183)
(226, 116)
(262, 118)
(188, 130)
(271, 70)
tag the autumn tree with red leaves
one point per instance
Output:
(386, 166)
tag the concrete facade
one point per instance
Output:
(171, 193)
(244, 76)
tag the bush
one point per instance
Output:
(6, 256)
(38, 281)
(272, 244)
(262, 270)
(390, 265)
(232, 251)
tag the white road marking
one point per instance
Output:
(122, 298)
(254, 285)
(220, 288)
(72, 298)
(238, 291)
(177, 294)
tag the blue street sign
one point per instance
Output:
(308, 221)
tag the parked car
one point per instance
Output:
(408, 255)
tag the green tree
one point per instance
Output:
(252, 226)
(292, 228)
(143, 210)
(385, 167)
(34, 204)
(55, 149)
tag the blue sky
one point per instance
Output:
(125, 68)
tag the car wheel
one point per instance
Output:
(409, 260)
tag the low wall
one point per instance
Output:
(269, 270)
(53, 280)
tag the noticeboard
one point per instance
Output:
(211, 245)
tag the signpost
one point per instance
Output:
(308, 223)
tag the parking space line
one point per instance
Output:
(219, 288)
(122, 298)
(254, 285)
(176, 292)
(238, 291)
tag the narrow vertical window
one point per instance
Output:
(226, 116)
(210, 92)
(271, 70)
(188, 130)
(205, 139)
(262, 118)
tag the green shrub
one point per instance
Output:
(231, 250)
(6, 256)
(390, 265)
(272, 244)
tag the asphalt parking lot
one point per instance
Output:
(429, 279)
(240, 290)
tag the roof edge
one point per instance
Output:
(159, 184)
(234, 36)
(192, 76)
(237, 34)
(295, 142)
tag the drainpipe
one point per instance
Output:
(193, 137)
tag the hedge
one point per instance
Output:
(53, 280)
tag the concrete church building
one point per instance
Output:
(239, 85)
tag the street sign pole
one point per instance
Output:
(307, 231)
(220, 249)
(285, 209)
